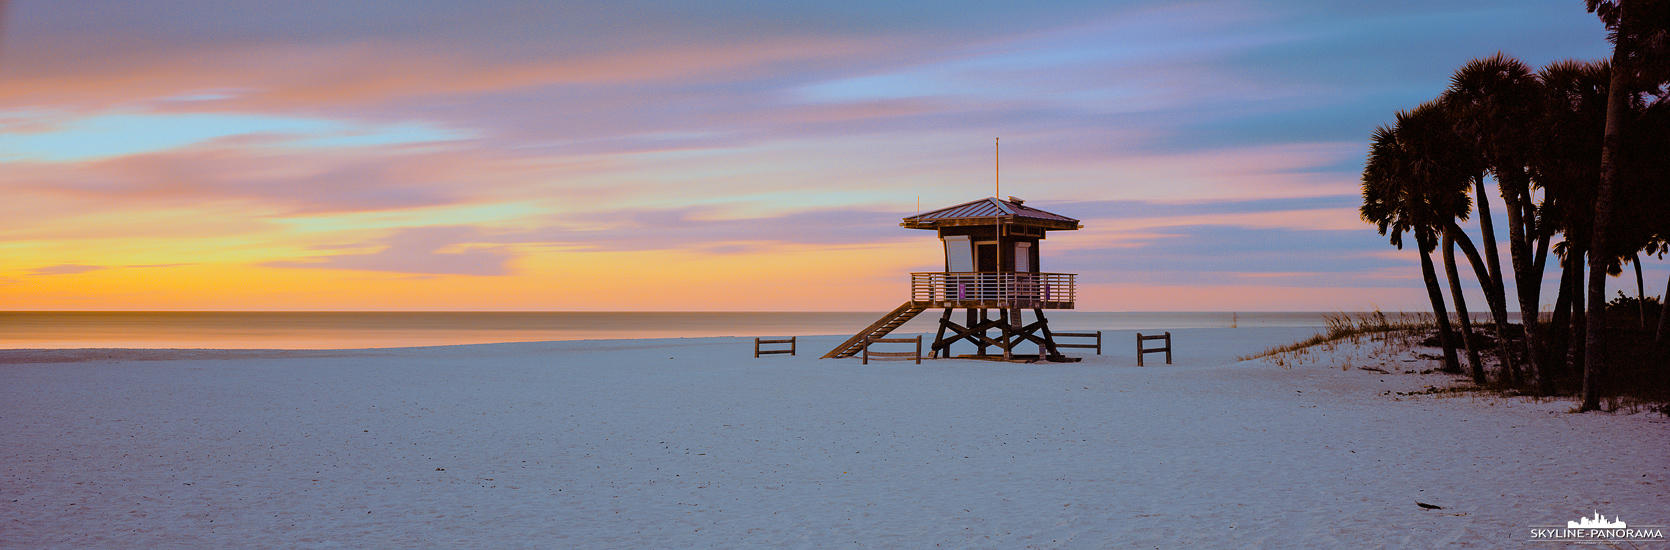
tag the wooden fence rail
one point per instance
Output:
(893, 355)
(1142, 350)
(760, 341)
(1097, 335)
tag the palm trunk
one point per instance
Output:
(1475, 366)
(1494, 293)
(1558, 362)
(1545, 379)
(1640, 292)
(1540, 264)
(1610, 149)
(1498, 306)
(1663, 311)
(1515, 194)
(1425, 244)
(1579, 316)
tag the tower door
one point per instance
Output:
(1023, 257)
(985, 256)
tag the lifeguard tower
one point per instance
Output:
(991, 263)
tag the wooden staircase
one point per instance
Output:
(881, 328)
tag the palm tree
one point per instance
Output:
(1493, 101)
(1565, 341)
(1640, 34)
(1460, 239)
(1490, 276)
(1415, 180)
(1475, 366)
(1654, 172)
(1639, 226)
(1567, 142)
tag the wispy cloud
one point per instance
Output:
(1205, 144)
(274, 178)
(65, 269)
(50, 137)
(423, 250)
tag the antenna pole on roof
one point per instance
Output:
(997, 183)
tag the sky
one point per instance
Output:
(712, 155)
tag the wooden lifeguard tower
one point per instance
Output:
(991, 264)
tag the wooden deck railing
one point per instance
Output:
(993, 290)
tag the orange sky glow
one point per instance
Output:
(709, 157)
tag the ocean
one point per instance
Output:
(354, 330)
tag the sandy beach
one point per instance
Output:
(677, 443)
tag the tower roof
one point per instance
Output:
(984, 211)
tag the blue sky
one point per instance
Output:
(434, 155)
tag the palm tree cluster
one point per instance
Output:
(1579, 153)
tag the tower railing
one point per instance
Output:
(1002, 290)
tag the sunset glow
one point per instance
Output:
(710, 156)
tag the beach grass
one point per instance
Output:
(1635, 382)
(1344, 327)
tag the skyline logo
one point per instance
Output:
(1598, 530)
(1597, 522)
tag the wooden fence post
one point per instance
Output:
(1143, 350)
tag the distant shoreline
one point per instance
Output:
(357, 330)
(384, 329)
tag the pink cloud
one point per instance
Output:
(420, 250)
(65, 269)
(322, 75)
(280, 181)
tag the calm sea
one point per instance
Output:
(344, 330)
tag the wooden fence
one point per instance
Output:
(1097, 335)
(1142, 350)
(761, 341)
(893, 355)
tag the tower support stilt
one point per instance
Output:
(1011, 332)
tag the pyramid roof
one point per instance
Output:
(984, 211)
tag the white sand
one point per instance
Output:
(693, 443)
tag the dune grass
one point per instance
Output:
(1352, 328)
(1636, 379)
